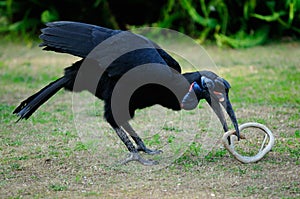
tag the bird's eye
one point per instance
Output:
(207, 83)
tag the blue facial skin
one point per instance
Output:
(196, 87)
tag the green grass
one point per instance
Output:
(48, 155)
(58, 187)
(274, 87)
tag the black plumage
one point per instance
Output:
(128, 72)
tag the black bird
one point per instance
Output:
(128, 72)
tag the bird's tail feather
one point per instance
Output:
(32, 103)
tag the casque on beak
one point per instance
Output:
(214, 101)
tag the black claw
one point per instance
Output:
(149, 151)
(138, 158)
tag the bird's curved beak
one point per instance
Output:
(215, 100)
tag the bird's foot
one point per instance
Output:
(136, 157)
(149, 151)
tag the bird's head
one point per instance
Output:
(214, 90)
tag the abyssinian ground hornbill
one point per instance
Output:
(128, 72)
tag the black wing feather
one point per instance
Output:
(169, 60)
(75, 38)
(80, 39)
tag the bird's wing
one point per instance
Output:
(126, 50)
(75, 38)
(169, 60)
(143, 60)
(116, 51)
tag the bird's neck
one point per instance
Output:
(192, 76)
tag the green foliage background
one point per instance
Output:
(237, 23)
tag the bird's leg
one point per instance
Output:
(140, 144)
(134, 155)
